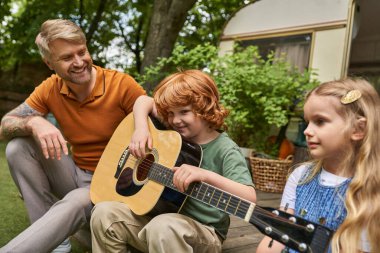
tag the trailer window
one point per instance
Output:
(296, 48)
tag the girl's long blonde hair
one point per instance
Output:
(362, 162)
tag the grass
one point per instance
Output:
(13, 215)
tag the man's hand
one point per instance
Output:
(48, 136)
(26, 121)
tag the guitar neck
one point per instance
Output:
(205, 193)
(300, 234)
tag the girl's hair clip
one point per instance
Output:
(350, 97)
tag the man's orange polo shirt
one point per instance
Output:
(88, 125)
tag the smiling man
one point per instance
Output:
(88, 103)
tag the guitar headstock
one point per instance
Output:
(290, 230)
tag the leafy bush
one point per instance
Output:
(261, 94)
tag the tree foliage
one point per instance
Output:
(117, 30)
(23, 24)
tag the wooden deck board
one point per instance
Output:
(243, 237)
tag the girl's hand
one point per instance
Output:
(141, 139)
(186, 174)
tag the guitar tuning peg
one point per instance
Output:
(284, 238)
(276, 212)
(302, 247)
(303, 212)
(268, 230)
(293, 219)
(310, 227)
(322, 220)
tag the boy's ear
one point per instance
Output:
(359, 131)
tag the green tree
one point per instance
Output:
(129, 26)
(23, 24)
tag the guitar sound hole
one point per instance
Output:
(124, 185)
(144, 167)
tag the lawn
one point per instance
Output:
(13, 214)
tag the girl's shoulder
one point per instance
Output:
(289, 193)
(301, 172)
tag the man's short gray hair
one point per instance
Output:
(58, 29)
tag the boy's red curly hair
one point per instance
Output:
(191, 87)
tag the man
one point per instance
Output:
(88, 103)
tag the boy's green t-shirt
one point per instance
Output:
(221, 156)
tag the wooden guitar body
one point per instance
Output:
(116, 167)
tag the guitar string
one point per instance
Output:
(144, 166)
(292, 225)
(278, 232)
(269, 214)
(234, 204)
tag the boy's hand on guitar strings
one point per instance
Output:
(140, 140)
(185, 175)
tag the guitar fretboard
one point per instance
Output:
(205, 193)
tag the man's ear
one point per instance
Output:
(47, 62)
(360, 128)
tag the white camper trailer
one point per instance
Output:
(336, 38)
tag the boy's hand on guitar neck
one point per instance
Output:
(187, 174)
(140, 141)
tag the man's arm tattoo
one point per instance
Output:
(14, 122)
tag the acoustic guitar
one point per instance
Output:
(146, 186)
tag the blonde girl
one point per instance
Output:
(340, 188)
